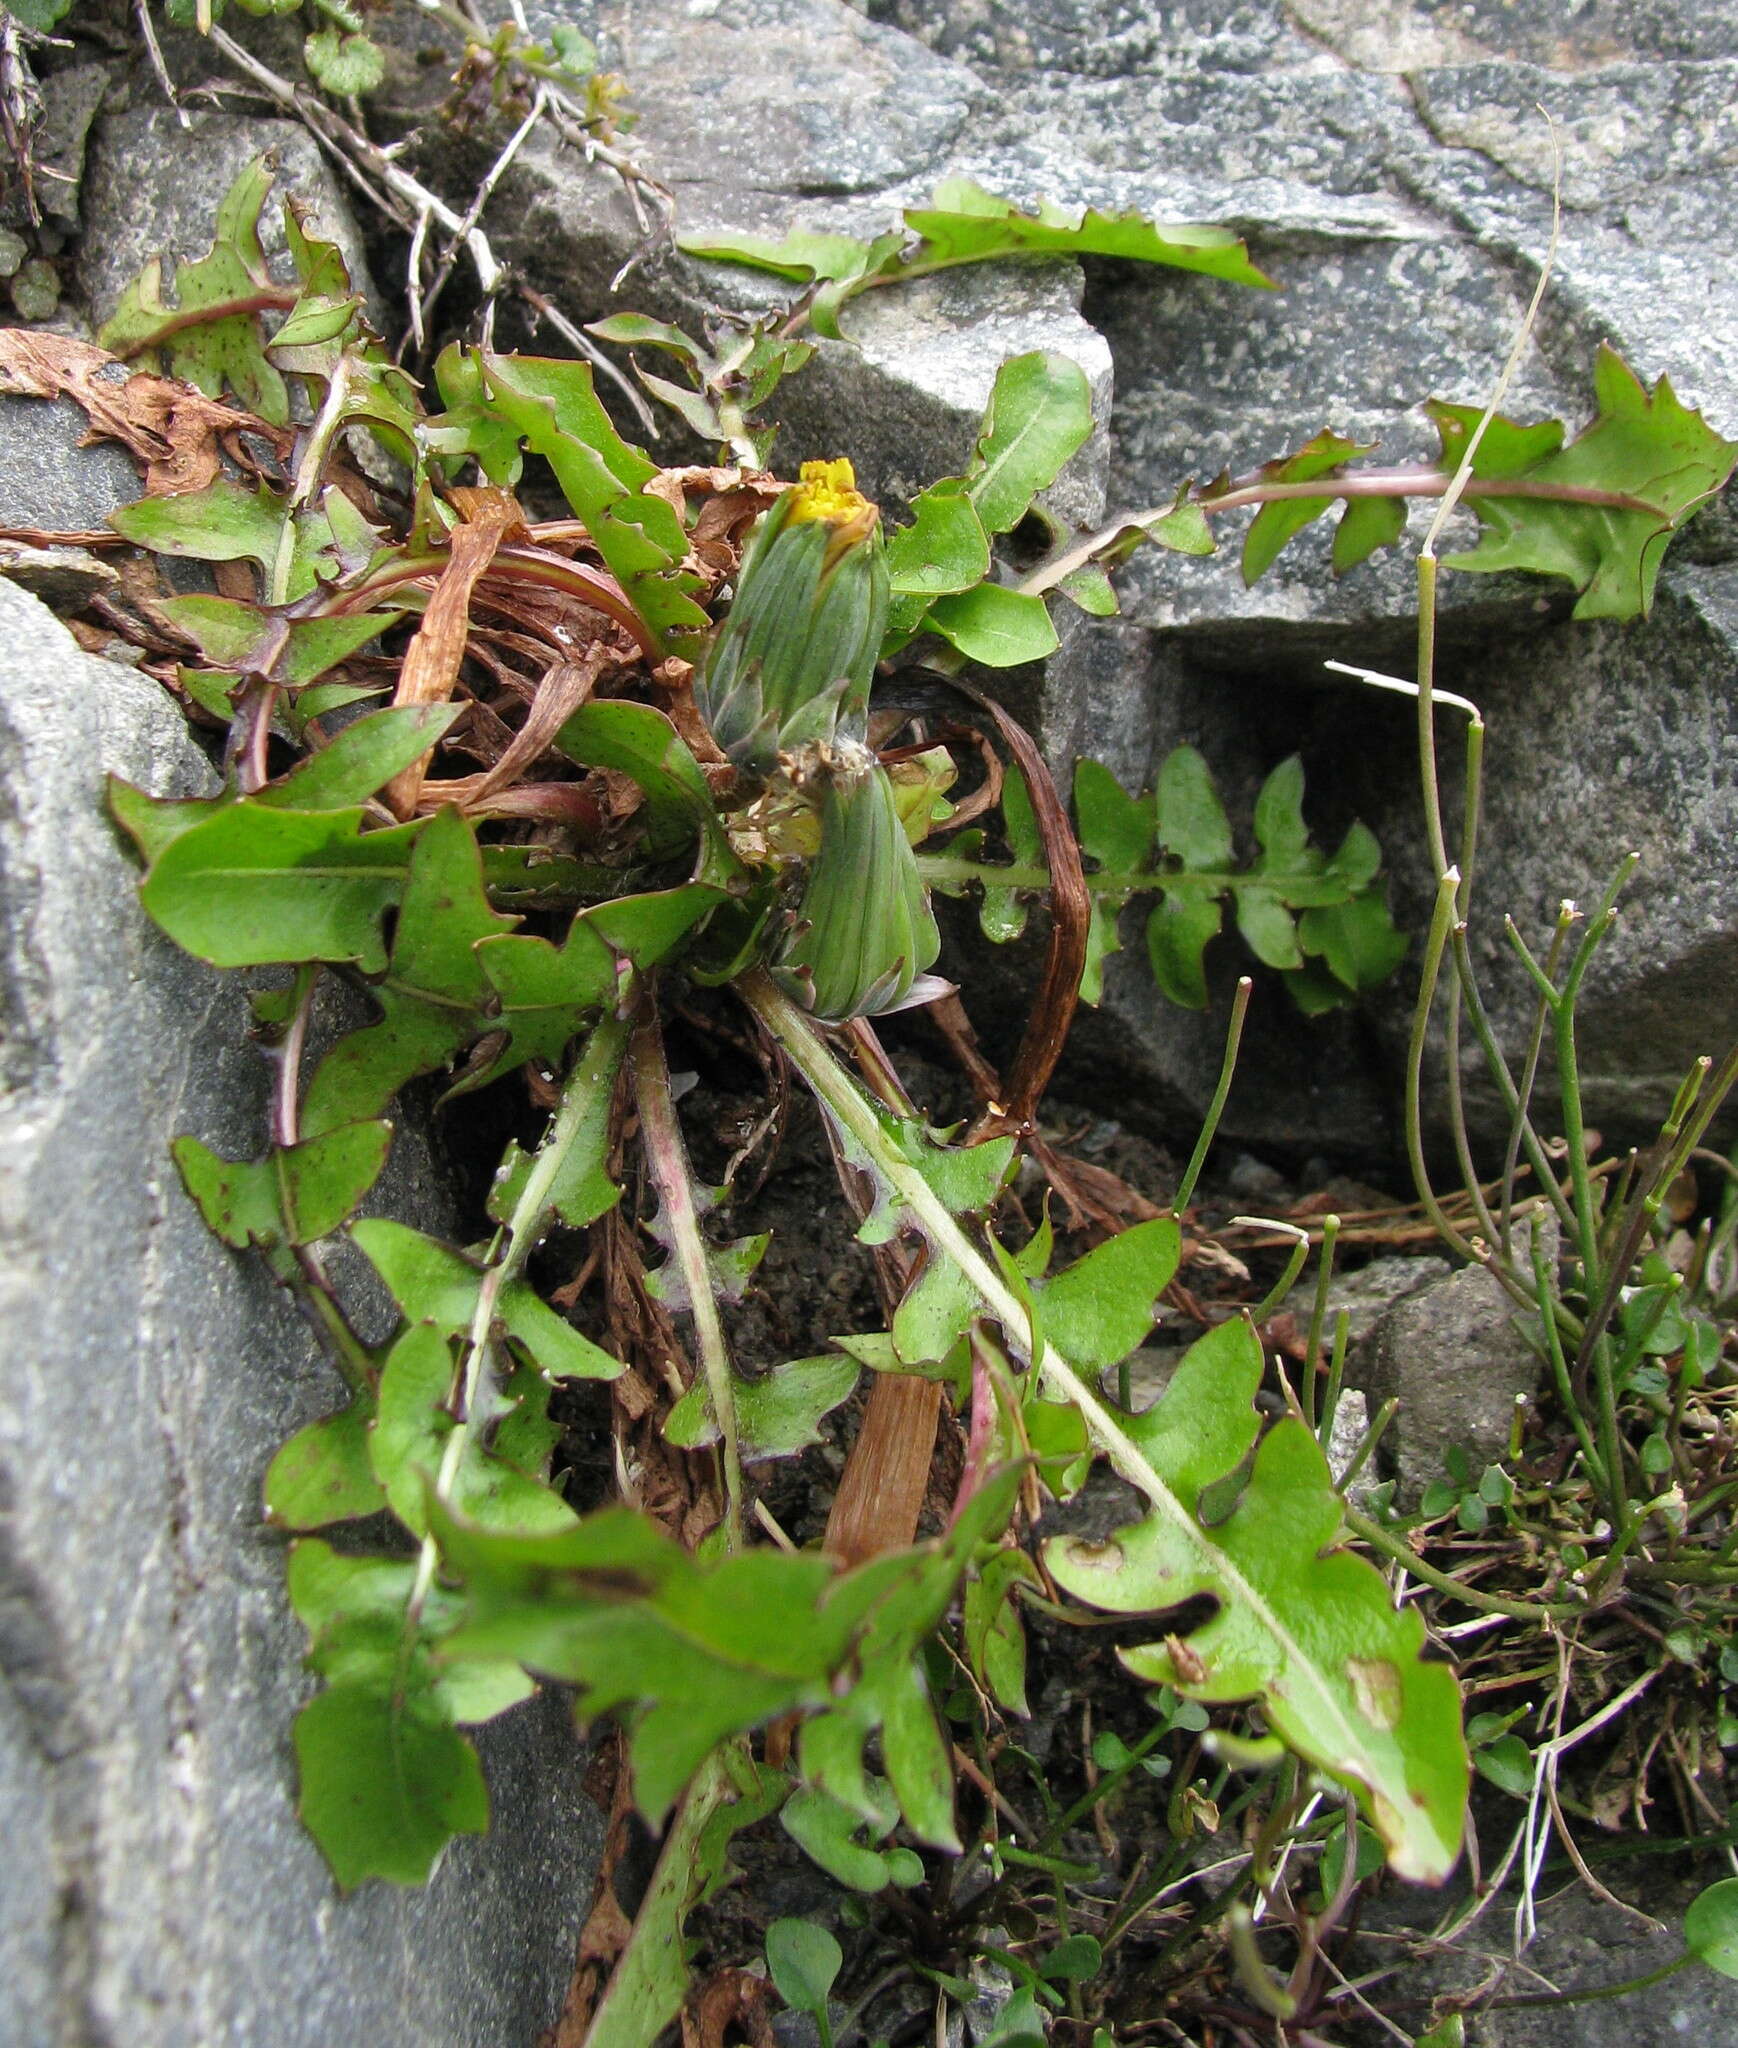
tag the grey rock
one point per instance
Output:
(158, 1888)
(47, 480)
(1608, 739)
(781, 113)
(1368, 1292)
(1402, 35)
(1453, 1356)
(64, 578)
(1092, 38)
(1351, 1424)
(70, 99)
(152, 189)
(1580, 1944)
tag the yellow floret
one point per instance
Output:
(828, 490)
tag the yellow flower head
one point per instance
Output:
(828, 491)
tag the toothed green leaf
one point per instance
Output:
(1644, 444)
(210, 336)
(1304, 1627)
(296, 1195)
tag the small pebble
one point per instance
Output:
(36, 290)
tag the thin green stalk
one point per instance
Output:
(1287, 1280)
(305, 1281)
(1686, 1571)
(1336, 1378)
(1560, 1368)
(1216, 1108)
(1378, 1538)
(1263, 1988)
(299, 1269)
(1108, 1781)
(645, 1990)
(1518, 1116)
(1569, 1077)
(1367, 1447)
(1549, 993)
(1458, 977)
(1595, 1348)
(1440, 923)
(1515, 1101)
(1318, 1316)
(1725, 1079)
(1435, 841)
(667, 1159)
(1586, 1997)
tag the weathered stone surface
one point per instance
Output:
(70, 99)
(152, 188)
(781, 113)
(1368, 1292)
(47, 480)
(1450, 1353)
(1387, 166)
(157, 1888)
(1581, 1944)
(1608, 739)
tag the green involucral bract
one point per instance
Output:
(864, 931)
(792, 663)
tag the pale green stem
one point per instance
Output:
(510, 1247)
(1446, 890)
(667, 1158)
(1216, 1108)
(646, 1987)
(1319, 1315)
(833, 1088)
(1380, 1539)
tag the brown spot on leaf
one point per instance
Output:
(1376, 1688)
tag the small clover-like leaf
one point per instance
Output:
(1281, 518)
(386, 1781)
(1644, 445)
(998, 627)
(295, 1195)
(432, 995)
(1038, 417)
(1191, 820)
(436, 1283)
(1711, 1927)
(252, 885)
(804, 1961)
(778, 1413)
(1099, 1309)
(344, 65)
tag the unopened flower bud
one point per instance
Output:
(864, 932)
(792, 660)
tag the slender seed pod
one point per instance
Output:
(792, 660)
(864, 931)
